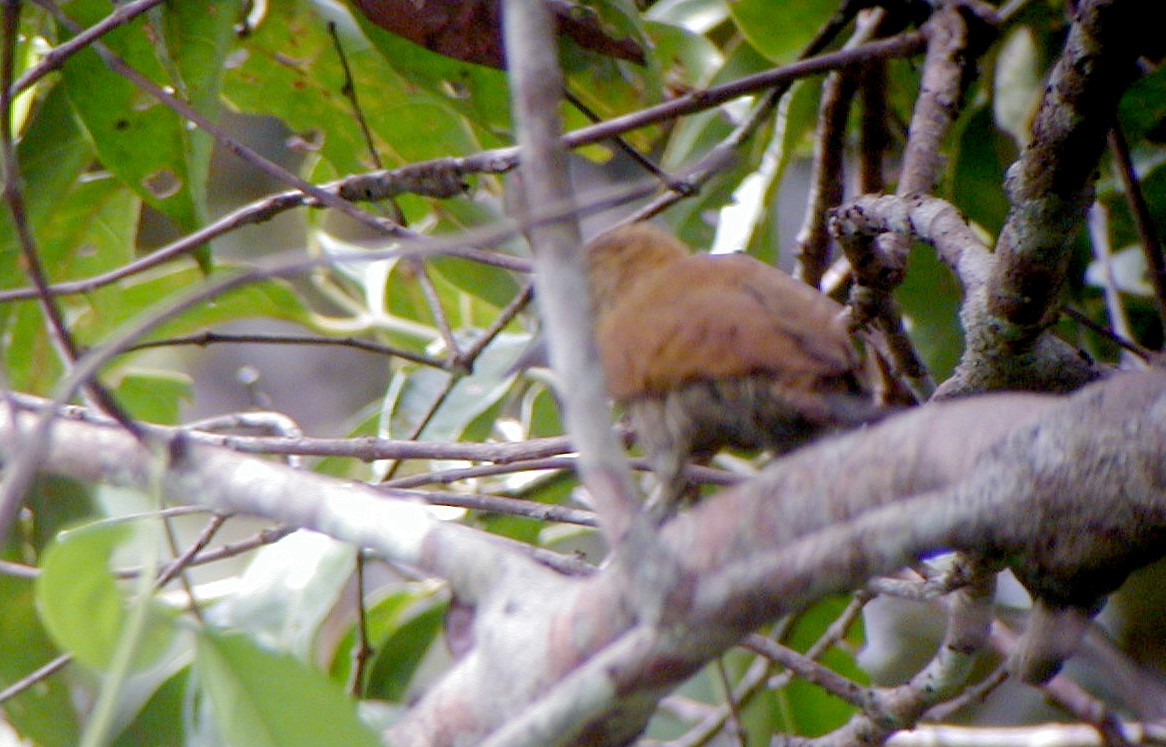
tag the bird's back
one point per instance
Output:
(708, 317)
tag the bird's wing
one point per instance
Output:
(717, 317)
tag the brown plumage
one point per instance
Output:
(714, 351)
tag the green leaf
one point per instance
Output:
(689, 59)
(694, 137)
(53, 152)
(809, 710)
(291, 69)
(43, 714)
(55, 504)
(362, 425)
(491, 284)
(288, 591)
(143, 142)
(479, 93)
(33, 363)
(400, 653)
(199, 35)
(977, 174)
(80, 602)
(699, 15)
(93, 230)
(155, 396)
(610, 87)
(161, 722)
(417, 388)
(266, 699)
(1019, 84)
(518, 528)
(781, 30)
(541, 415)
(930, 298)
(1143, 107)
(756, 199)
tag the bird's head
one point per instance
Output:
(621, 257)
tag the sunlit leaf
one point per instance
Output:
(76, 575)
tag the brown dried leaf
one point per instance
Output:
(471, 30)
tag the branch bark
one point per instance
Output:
(1050, 189)
(1067, 491)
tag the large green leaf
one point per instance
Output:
(266, 699)
(288, 591)
(415, 389)
(53, 152)
(82, 605)
(32, 360)
(479, 93)
(1143, 107)
(154, 396)
(781, 30)
(930, 298)
(199, 35)
(291, 69)
(688, 59)
(400, 653)
(144, 143)
(93, 230)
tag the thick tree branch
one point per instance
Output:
(402, 530)
(1014, 472)
(1050, 188)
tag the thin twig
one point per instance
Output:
(1124, 343)
(619, 142)
(1140, 210)
(203, 339)
(52, 60)
(827, 180)
(363, 651)
(505, 316)
(429, 291)
(34, 678)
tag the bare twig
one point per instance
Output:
(1136, 199)
(828, 180)
(203, 339)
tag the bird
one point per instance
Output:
(706, 352)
